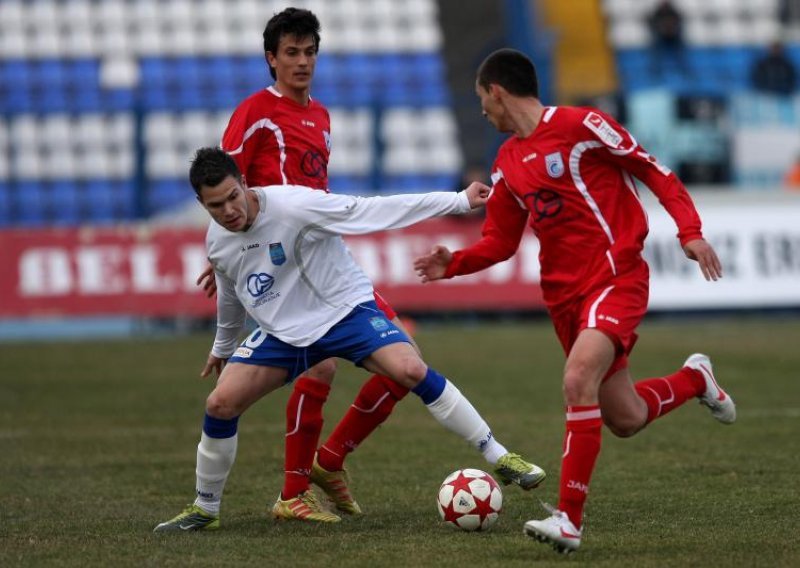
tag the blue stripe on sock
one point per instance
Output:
(431, 387)
(220, 427)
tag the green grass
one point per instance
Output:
(97, 445)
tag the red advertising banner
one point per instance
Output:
(141, 270)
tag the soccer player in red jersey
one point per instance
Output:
(568, 173)
(278, 136)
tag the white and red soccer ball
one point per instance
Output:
(470, 499)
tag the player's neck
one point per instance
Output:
(300, 96)
(253, 208)
(525, 114)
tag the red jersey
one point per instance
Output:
(571, 181)
(277, 141)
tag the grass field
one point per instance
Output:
(97, 445)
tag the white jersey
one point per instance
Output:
(291, 271)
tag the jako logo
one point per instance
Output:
(258, 284)
(582, 487)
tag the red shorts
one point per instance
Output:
(615, 308)
(384, 306)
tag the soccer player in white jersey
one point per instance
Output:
(279, 257)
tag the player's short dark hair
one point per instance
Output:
(512, 70)
(297, 22)
(210, 166)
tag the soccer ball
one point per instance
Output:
(470, 499)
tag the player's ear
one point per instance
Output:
(495, 90)
(243, 181)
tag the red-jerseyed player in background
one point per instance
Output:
(277, 136)
(568, 173)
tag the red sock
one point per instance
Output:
(372, 406)
(581, 447)
(303, 426)
(664, 394)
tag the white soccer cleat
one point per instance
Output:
(556, 530)
(721, 404)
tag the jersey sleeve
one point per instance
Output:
(501, 233)
(326, 214)
(243, 137)
(230, 318)
(625, 152)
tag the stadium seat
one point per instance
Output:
(30, 203)
(65, 202)
(164, 194)
(99, 201)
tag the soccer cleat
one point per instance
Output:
(557, 530)
(511, 468)
(193, 518)
(304, 507)
(721, 404)
(335, 485)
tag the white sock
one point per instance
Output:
(215, 458)
(453, 411)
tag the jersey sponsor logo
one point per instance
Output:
(544, 203)
(327, 136)
(313, 164)
(243, 352)
(529, 157)
(259, 284)
(309, 123)
(379, 323)
(554, 165)
(603, 130)
(277, 254)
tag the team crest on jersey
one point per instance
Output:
(378, 323)
(554, 165)
(604, 131)
(327, 136)
(277, 254)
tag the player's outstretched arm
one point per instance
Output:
(706, 257)
(213, 364)
(207, 281)
(433, 266)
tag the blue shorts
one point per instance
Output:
(357, 336)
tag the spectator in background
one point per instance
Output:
(666, 32)
(774, 72)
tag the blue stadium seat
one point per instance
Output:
(31, 202)
(164, 194)
(98, 200)
(125, 199)
(116, 100)
(16, 79)
(350, 184)
(6, 216)
(250, 75)
(82, 85)
(65, 202)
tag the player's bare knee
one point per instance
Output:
(578, 389)
(324, 371)
(411, 372)
(218, 406)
